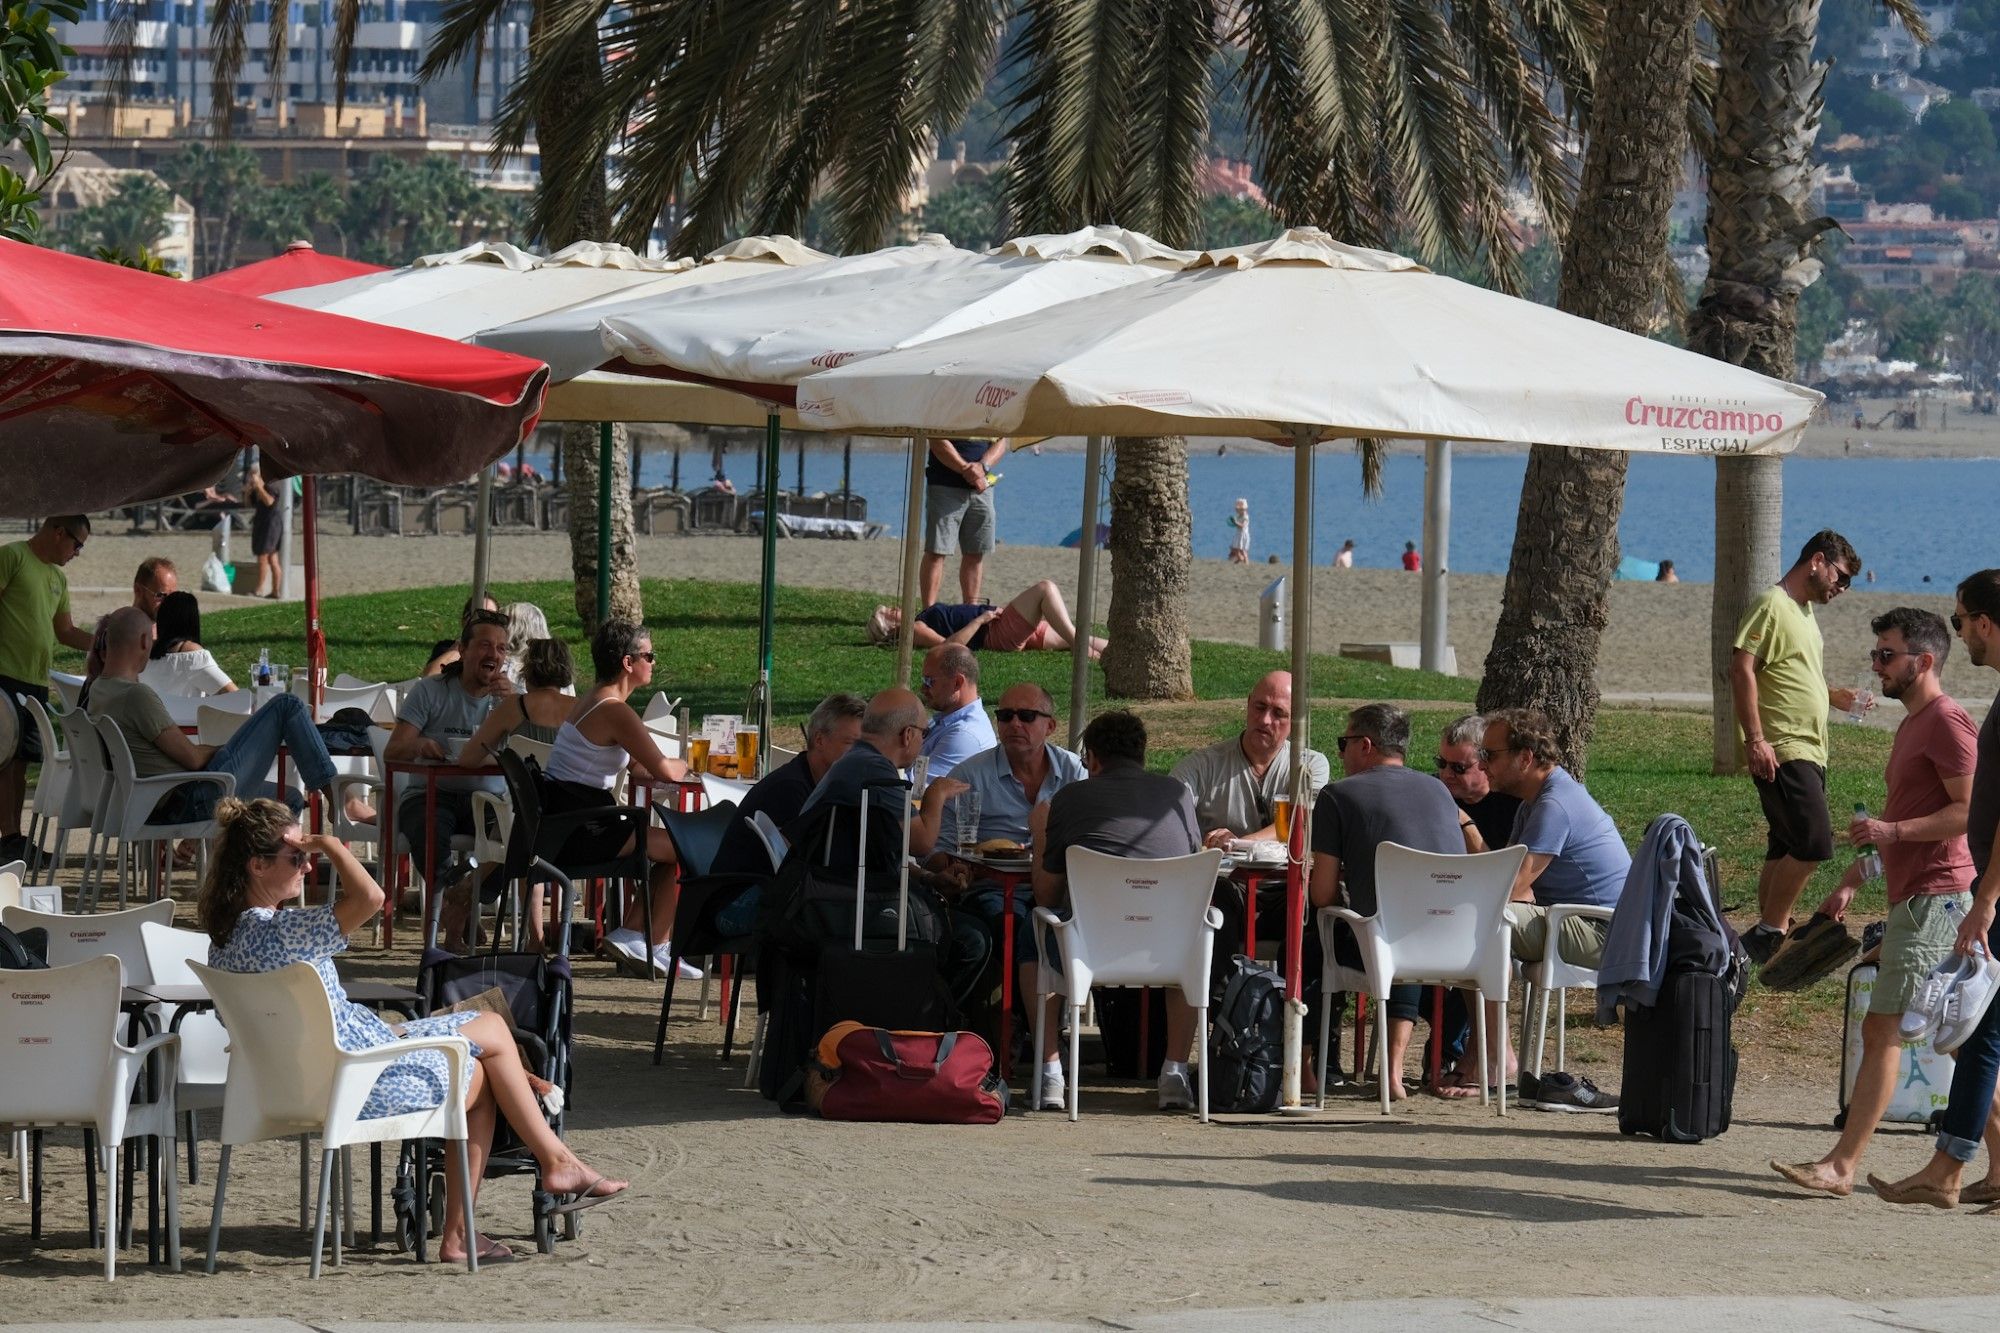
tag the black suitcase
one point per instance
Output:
(1680, 1064)
(866, 982)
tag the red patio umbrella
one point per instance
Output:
(118, 387)
(299, 266)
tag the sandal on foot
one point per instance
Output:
(1913, 1193)
(588, 1197)
(1802, 1175)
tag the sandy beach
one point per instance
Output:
(1655, 647)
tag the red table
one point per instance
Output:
(428, 771)
(1009, 875)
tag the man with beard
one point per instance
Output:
(1921, 837)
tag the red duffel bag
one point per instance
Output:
(923, 1078)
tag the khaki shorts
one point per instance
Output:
(1581, 943)
(1919, 936)
(959, 520)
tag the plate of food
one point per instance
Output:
(1002, 854)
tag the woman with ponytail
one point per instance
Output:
(259, 864)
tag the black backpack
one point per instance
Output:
(24, 952)
(1246, 1039)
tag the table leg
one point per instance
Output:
(1251, 883)
(391, 863)
(430, 858)
(1007, 884)
(1437, 1036)
(375, 1193)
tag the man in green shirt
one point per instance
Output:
(34, 617)
(1778, 681)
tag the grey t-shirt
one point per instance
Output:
(1388, 803)
(1122, 811)
(1229, 794)
(1982, 815)
(442, 709)
(1564, 822)
(141, 716)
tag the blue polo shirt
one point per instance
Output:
(1564, 822)
(956, 736)
(1003, 804)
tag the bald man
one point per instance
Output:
(892, 734)
(1236, 782)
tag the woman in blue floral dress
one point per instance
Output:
(258, 864)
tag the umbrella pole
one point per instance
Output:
(603, 521)
(1295, 887)
(1437, 553)
(1086, 591)
(283, 587)
(767, 625)
(847, 478)
(482, 537)
(913, 520)
(315, 636)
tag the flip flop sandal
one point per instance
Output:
(585, 1199)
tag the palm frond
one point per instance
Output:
(347, 16)
(229, 40)
(1508, 81)
(1169, 109)
(1424, 115)
(1077, 60)
(1565, 35)
(881, 124)
(1373, 455)
(1297, 118)
(459, 36)
(122, 36)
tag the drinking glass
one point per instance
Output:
(968, 821)
(746, 752)
(1283, 808)
(698, 754)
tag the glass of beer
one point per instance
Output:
(698, 754)
(1282, 809)
(746, 752)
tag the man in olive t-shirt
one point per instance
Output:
(34, 617)
(1778, 683)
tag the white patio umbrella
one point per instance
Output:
(763, 339)
(1303, 339)
(463, 292)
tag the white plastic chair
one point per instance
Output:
(1439, 921)
(61, 1067)
(85, 802)
(1552, 973)
(1133, 922)
(52, 784)
(204, 1058)
(288, 1077)
(134, 800)
(333, 698)
(214, 725)
(69, 688)
(716, 790)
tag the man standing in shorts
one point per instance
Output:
(958, 514)
(34, 617)
(1781, 696)
(1921, 836)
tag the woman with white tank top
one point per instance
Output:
(602, 737)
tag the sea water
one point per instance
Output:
(1910, 518)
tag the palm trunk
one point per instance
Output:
(1552, 616)
(590, 221)
(1152, 568)
(1760, 239)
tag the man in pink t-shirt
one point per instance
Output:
(1925, 862)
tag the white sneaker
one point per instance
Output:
(1055, 1093)
(1927, 1005)
(663, 958)
(628, 942)
(1966, 1005)
(1175, 1092)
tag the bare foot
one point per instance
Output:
(1454, 1087)
(359, 811)
(1817, 1177)
(1397, 1092)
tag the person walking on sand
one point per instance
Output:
(1344, 558)
(1778, 682)
(267, 528)
(1970, 1115)
(1239, 544)
(1924, 858)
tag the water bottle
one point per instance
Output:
(262, 676)
(1864, 697)
(1871, 860)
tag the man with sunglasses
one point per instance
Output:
(156, 581)
(1486, 814)
(951, 687)
(1778, 683)
(34, 617)
(1921, 836)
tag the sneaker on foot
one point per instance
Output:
(1566, 1092)
(1761, 941)
(1175, 1093)
(663, 958)
(1528, 1092)
(1966, 1005)
(628, 942)
(1054, 1092)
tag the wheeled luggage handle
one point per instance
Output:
(902, 865)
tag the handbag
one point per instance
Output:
(921, 1078)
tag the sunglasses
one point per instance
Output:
(1881, 657)
(1842, 577)
(74, 540)
(1451, 766)
(298, 858)
(1340, 743)
(647, 656)
(1959, 622)
(1019, 714)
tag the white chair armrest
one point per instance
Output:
(165, 783)
(130, 1062)
(1375, 961)
(1213, 918)
(1562, 912)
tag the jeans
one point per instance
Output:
(1972, 1080)
(248, 755)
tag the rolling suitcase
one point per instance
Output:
(1923, 1078)
(1680, 1065)
(870, 984)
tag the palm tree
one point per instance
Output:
(220, 183)
(1552, 614)
(1761, 236)
(1406, 116)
